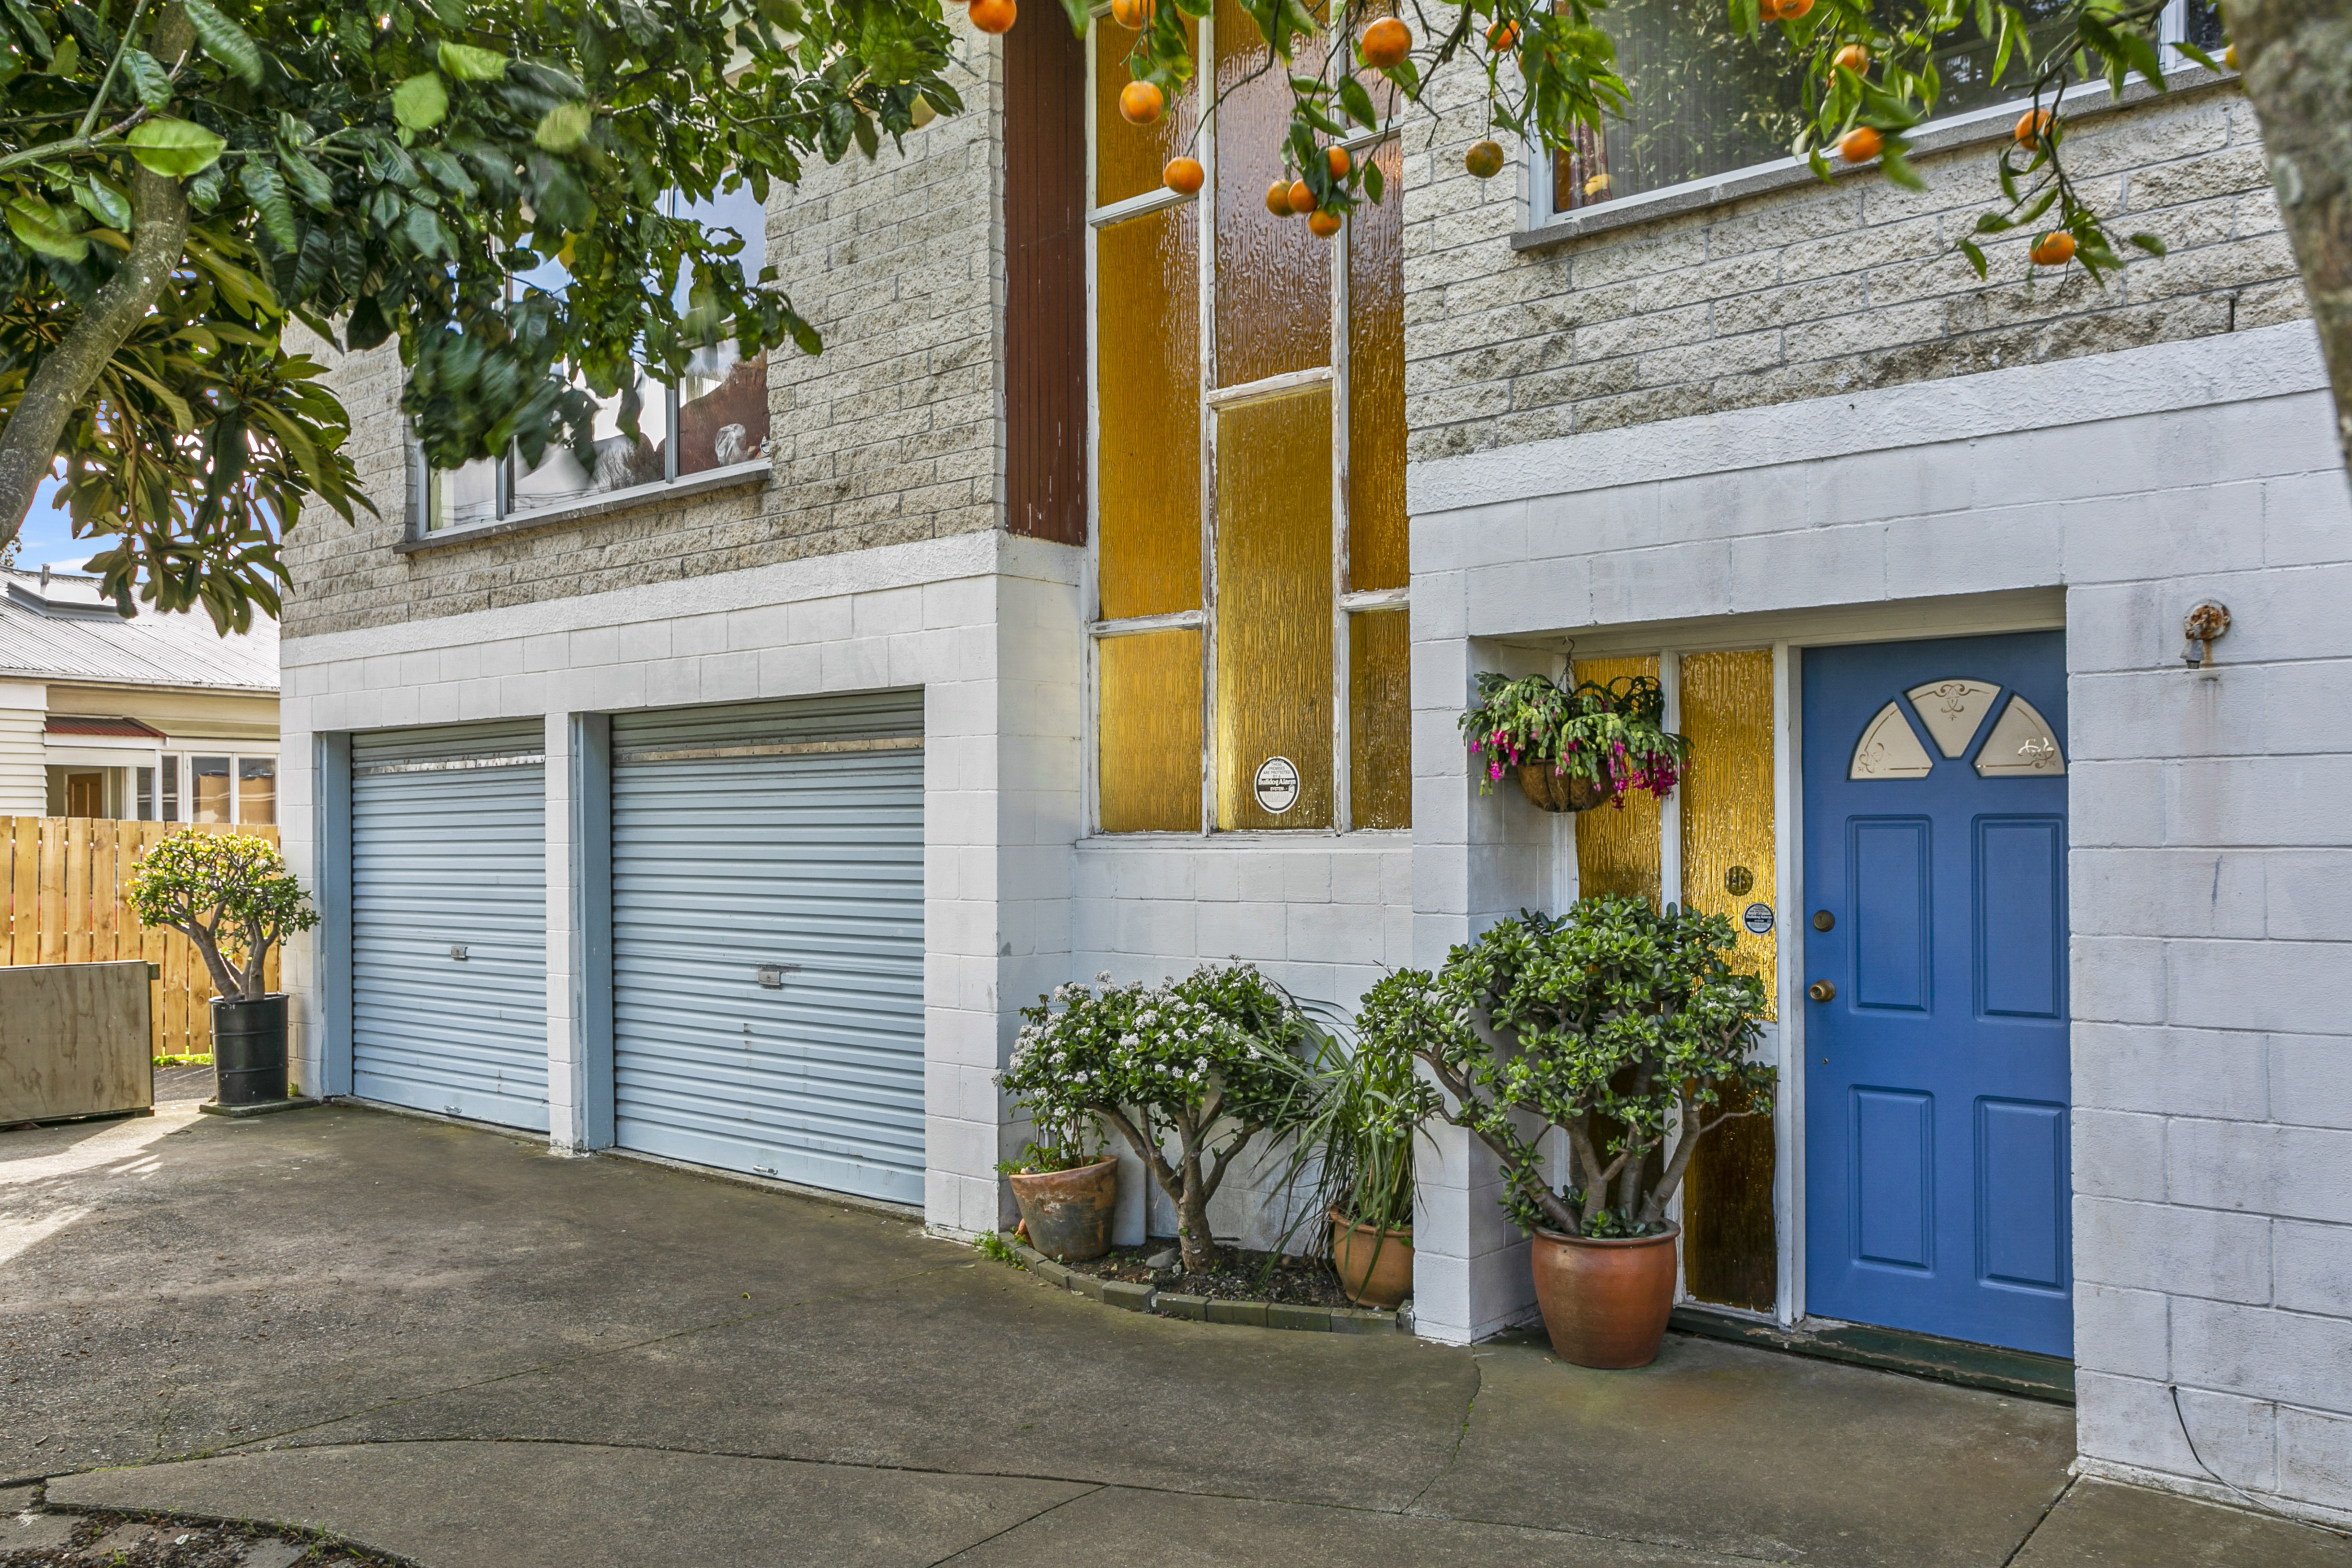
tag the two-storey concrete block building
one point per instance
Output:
(1105, 595)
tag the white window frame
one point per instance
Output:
(1537, 164)
(1346, 602)
(178, 766)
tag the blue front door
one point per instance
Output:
(1935, 1079)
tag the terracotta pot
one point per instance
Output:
(1605, 1303)
(1562, 792)
(1375, 1270)
(1068, 1212)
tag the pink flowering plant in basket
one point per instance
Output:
(1612, 736)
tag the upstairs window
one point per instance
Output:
(1249, 641)
(1707, 102)
(716, 418)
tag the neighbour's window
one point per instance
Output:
(209, 780)
(170, 769)
(1251, 420)
(715, 418)
(146, 794)
(1706, 101)
(257, 790)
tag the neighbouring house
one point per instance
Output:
(154, 718)
(1104, 597)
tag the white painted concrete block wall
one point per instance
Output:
(2212, 1066)
(986, 624)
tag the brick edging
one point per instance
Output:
(1210, 1308)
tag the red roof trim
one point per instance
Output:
(62, 724)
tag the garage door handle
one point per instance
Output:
(772, 976)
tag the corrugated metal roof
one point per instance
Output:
(63, 631)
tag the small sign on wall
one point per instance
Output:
(1275, 785)
(1757, 918)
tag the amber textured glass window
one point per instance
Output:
(1249, 429)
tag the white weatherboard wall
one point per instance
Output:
(985, 624)
(24, 777)
(2210, 842)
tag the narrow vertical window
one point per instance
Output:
(146, 790)
(257, 790)
(209, 785)
(1251, 579)
(168, 767)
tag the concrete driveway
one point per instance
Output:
(450, 1345)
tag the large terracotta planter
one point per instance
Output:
(1562, 792)
(1375, 1270)
(1605, 1303)
(1068, 1212)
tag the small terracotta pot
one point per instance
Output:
(1605, 1303)
(1562, 792)
(1375, 1270)
(1068, 1212)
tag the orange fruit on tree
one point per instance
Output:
(1139, 102)
(1503, 36)
(1485, 159)
(1302, 200)
(2033, 125)
(1133, 15)
(1853, 58)
(1277, 198)
(1340, 161)
(992, 16)
(1185, 177)
(1322, 224)
(1386, 44)
(1792, 9)
(1859, 145)
(2054, 249)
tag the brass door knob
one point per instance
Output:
(1822, 991)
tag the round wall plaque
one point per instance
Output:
(1275, 785)
(1757, 918)
(1737, 881)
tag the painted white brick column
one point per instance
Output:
(566, 1059)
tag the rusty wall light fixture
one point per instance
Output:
(2200, 626)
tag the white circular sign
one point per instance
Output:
(1275, 785)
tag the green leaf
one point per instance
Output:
(309, 182)
(2150, 243)
(562, 128)
(41, 227)
(467, 63)
(2200, 57)
(267, 192)
(173, 148)
(420, 102)
(1898, 168)
(1358, 104)
(149, 83)
(1081, 12)
(224, 41)
(1975, 253)
(104, 203)
(1373, 183)
(67, 60)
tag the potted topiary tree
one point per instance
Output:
(1190, 1073)
(1625, 1028)
(1577, 749)
(1357, 1145)
(232, 896)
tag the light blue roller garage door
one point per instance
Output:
(449, 921)
(768, 939)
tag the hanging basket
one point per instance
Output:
(1562, 792)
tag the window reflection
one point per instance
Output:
(257, 790)
(210, 786)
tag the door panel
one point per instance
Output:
(450, 922)
(1937, 1162)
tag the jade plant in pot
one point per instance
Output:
(1190, 1073)
(1357, 1147)
(1625, 1029)
(231, 894)
(1577, 748)
(1066, 1186)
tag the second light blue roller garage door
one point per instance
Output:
(768, 939)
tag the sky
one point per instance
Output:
(48, 538)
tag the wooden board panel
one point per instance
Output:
(73, 1040)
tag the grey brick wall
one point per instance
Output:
(1814, 290)
(890, 435)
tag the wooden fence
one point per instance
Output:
(67, 882)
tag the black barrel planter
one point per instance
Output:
(250, 1050)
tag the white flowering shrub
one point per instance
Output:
(1190, 1073)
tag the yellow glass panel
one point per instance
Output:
(1274, 277)
(1376, 516)
(1147, 767)
(1379, 720)
(1727, 711)
(1132, 159)
(1274, 606)
(1147, 330)
(1617, 848)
